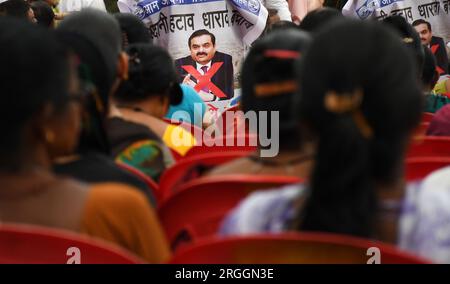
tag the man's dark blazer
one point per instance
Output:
(223, 79)
(440, 54)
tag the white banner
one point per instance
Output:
(436, 12)
(234, 23)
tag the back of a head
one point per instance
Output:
(28, 80)
(102, 30)
(362, 100)
(151, 73)
(409, 37)
(43, 13)
(319, 18)
(282, 25)
(268, 79)
(133, 29)
(96, 38)
(15, 8)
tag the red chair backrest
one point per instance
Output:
(427, 116)
(200, 205)
(207, 144)
(246, 143)
(419, 168)
(192, 167)
(151, 184)
(291, 248)
(429, 146)
(176, 156)
(20, 244)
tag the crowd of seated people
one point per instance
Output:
(46, 107)
(344, 98)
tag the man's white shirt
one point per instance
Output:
(67, 6)
(199, 67)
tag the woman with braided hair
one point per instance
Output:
(362, 101)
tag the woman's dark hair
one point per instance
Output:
(95, 86)
(15, 8)
(103, 31)
(319, 18)
(281, 25)
(43, 13)
(410, 38)
(133, 29)
(33, 72)
(270, 62)
(429, 74)
(96, 38)
(151, 72)
(359, 95)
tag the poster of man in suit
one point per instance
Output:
(434, 43)
(207, 66)
(422, 14)
(207, 39)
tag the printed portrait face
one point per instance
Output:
(202, 49)
(424, 33)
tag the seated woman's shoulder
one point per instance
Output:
(116, 195)
(263, 210)
(69, 187)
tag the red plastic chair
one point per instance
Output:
(249, 145)
(427, 116)
(419, 168)
(151, 184)
(429, 146)
(207, 144)
(198, 208)
(20, 244)
(190, 168)
(176, 156)
(291, 248)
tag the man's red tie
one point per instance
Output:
(205, 70)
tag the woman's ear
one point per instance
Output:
(165, 104)
(41, 124)
(122, 67)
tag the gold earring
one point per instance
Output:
(49, 136)
(342, 103)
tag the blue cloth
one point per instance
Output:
(185, 111)
(423, 225)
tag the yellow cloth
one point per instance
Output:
(122, 215)
(440, 88)
(178, 139)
